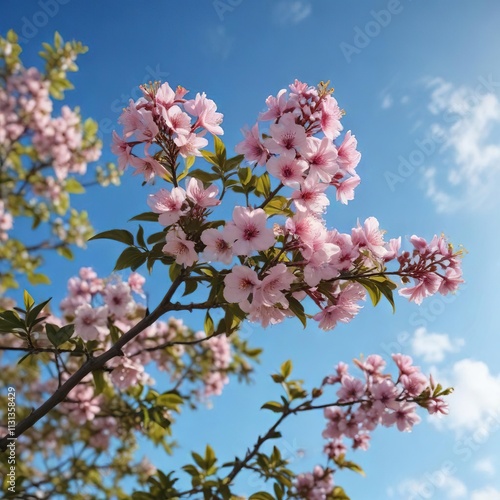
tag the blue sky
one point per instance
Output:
(420, 83)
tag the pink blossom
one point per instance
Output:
(345, 189)
(205, 110)
(240, 283)
(330, 118)
(180, 247)
(286, 136)
(202, 197)
(352, 389)
(168, 205)
(176, 120)
(426, 286)
(405, 364)
(91, 323)
(190, 145)
(404, 417)
(121, 149)
(126, 372)
(118, 299)
(287, 169)
(451, 281)
(437, 405)
(275, 106)
(384, 393)
(348, 156)
(252, 147)
(394, 246)
(218, 245)
(270, 291)
(321, 156)
(414, 383)
(83, 406)
(249, 231)
(136, 282)
(148, 166)
(311, 197)
(370, 236)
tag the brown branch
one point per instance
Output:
(94, 364)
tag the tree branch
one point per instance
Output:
(94, 363)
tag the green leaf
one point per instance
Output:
(245, 175)
(28, 300)
(33, 313)
(58, 336)
(72, 186)
(174, 271)
(209, 325)
(140, 237)
(11, 322)
(263, 186)
(120, 235)
(261, 495)
(38, 279)
(298, 309)
(65, 252)
(204, 176)
(338, 493)
(146, 217)
(170, 400)
(220, 149)
(190, 287)
(273, 406)
(286, 368)
(131, 257)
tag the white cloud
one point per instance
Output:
(475, 403)
(487, 493)
(219, 43)
(468, 117)
(485, 465)
(387, 101)
(432, 347)
(442, 486)
(292, 12)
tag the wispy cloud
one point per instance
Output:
(433, 347)
(475, 402)
(488, 493)
(291, 12)
(485, 466)
(218, 42)
(470, 151)
(449, 487)
(387, 101)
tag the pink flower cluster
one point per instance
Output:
(316, 485)
(316, 262)
(26, 109)
(364, 403)
(165, 119)
(293, 154)
(433, 266)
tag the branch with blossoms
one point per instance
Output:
(244, 268)
(42, 157)
(361, 405)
